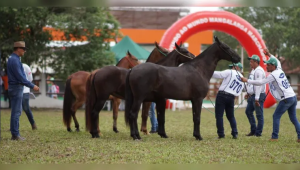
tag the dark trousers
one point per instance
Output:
(259, 110)
(26, 108)
(16, 94)
(225, 102)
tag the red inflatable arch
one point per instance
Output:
(223, 21)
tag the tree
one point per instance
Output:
(94, 24)
(24, 24)
(97, 25)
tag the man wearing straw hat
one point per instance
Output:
(16, 82)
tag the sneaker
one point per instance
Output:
(273, 140)
(34, 127)
(298, 140)
(17, 138)
(250, 134)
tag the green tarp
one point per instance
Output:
(126, 44)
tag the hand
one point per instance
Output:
(246, 96)
(266, 52)
(244, 79)
(257, 103)
(36, 88)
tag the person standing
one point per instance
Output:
(231, 87)
(282, 91)
(26, 93)
(255, 98)
(5, 83)
(16, 81)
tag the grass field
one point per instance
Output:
(51, 143)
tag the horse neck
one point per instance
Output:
(170, 60)
(124, 64)
(155, 56)
(207, 61)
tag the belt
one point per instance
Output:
(229, 94)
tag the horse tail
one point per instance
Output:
(128, 99)
(67, 105)
(90, 101)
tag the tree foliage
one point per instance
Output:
(93, 24)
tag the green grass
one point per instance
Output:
(51, 143)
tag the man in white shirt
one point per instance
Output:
(256, 97)
(282, 91)
(25, 100)
(231, 86)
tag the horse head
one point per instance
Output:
(227, 53)
(128, 61)
(184, 55)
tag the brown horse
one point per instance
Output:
(110, 80)
(75, 92)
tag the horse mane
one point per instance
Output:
(199, 55)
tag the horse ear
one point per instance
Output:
(177, 47)
(156, 44)
(217, 39)
(128, 53)
(180, 44)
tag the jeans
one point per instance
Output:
(257, 130)
(225, 102)
(154, 124)
(288, 105)
(26, 108)
(16, 94)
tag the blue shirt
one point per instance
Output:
(15, 72)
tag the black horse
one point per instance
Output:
(151, 82)
(110, 80)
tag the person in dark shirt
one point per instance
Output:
(16, 81)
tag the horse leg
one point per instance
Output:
(116, 104)
(95, 130)
(197, 105)
(160, 110)
(134, 132)
(145, 114)
(75, 107)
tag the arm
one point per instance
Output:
(221, 74)
(20, 75)
(269, 79)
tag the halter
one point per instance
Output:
(183, 54)
(130, 63)
(162, 52)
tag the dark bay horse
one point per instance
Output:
(151, 82)
(75, 91)
(111, 81)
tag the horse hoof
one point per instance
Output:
(96, 136)
(115, 130)
(77, 130)
(69, 130)
(164, 136)
(199, 138)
